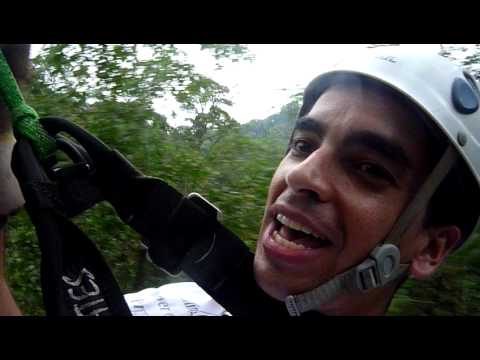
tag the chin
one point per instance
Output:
(266, 279)
(278, 282)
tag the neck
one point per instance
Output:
(372, 303)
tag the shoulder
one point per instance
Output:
(176, 299)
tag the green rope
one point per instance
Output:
(24, 117)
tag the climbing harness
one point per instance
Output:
(75, 278)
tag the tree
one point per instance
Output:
(233, 52)
(276, 127)
(204, 98)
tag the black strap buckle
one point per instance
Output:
(206, 205)
(191, 227)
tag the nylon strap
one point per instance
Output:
(24, 117)
(423, 196)
(342, 283)
(298, 304)
(347, 282)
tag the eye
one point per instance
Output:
(375, 172)
(301, 147)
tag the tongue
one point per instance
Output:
(299, 237)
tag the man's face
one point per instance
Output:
(355, 161)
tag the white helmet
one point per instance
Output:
(451, 98)
(448, 94)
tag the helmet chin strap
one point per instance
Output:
(382, 266)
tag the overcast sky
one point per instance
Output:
(261, 87)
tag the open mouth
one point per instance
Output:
(295, 236)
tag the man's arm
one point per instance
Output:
(8, 307)
(7, 302)
(11, 198)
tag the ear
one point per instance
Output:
(439, 243)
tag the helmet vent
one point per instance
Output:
(464, 98)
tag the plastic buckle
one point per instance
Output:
(206, 205)
(292, 306)
(366, 275)
(379, 269)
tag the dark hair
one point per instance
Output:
(458, 191)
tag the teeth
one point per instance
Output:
(282, 241)
(295, 226)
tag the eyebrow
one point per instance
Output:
(306, 123)
(383, 146)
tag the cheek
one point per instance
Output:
(366, 222)
(278, 184)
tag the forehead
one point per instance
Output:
(356, 106)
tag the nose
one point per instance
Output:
(313, 176)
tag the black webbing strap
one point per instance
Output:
(224, 269)
(182, 235)
(75, 279)
(215, 258)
